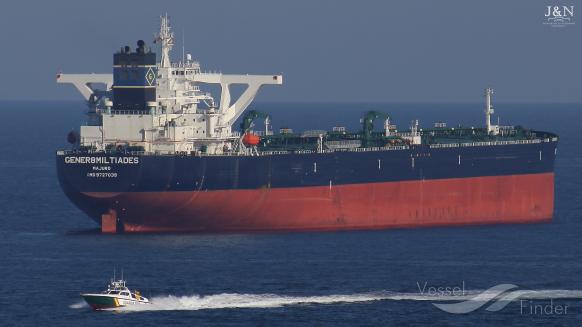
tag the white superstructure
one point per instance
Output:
(182, 119)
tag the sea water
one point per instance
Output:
(51, 252)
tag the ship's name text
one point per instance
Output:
(102, 160)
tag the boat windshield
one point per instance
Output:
(113, 292)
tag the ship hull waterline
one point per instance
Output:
(522, 198)
(100, 302)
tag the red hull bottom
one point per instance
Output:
(445, 202)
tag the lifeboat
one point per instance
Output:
(251, 139)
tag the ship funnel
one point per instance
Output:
(140, 47)
(134, 79)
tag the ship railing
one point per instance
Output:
(262, 133)
(490, 143)
(122, 112)
(268, 153)
(224, 154)
(229, 154)
(385, 148)
(445, 145)
(187, 64)
(237, 154)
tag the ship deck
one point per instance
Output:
(435, 143)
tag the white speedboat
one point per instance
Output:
(117, 295)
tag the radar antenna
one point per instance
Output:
(166, 38)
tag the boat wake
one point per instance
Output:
(79, 305)
(234, 300)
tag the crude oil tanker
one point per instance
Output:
(159, 155)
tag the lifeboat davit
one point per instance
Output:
(251, 139)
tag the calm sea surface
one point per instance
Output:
(50, 251)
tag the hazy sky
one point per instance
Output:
(370, 51)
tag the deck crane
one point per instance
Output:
(368, 125)
(250, 117)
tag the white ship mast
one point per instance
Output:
(166, 39)
(491, 129)
(182, 119)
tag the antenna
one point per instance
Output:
(488, 109)
(166, 38)
(121, 273)
(183, 46)
(267, 122)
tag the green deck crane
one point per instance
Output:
(251, 116)
(368, 125)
